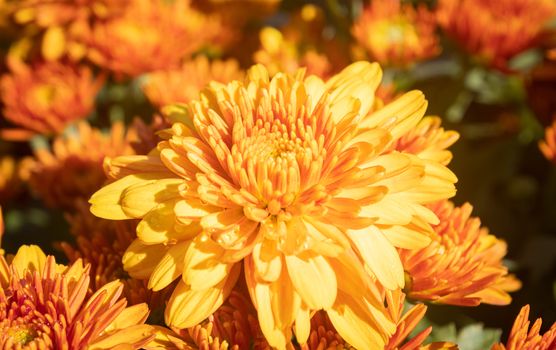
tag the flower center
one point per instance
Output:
(22, 334)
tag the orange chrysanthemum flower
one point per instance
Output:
(494, 30)
(73, 169)
(548, 145)
(462, 265)
(43, 306)
(45, 98)
(295, 180)
(396, 34)
(150, 35)
(184, 84)
(523, 338)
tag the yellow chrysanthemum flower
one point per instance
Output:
(523, 338)
(463, 263)
(397, 34)
(292, 178)
(43, 306)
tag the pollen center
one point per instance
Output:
(22, 334)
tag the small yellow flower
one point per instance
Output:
(46, 97)
(494, 30)
(43, 306)
(396, 34)
(523, 338)
(184, 84)
(292, 178)
(462, 265)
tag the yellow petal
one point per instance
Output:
(306, 272)
(379, 255)
(267, 260)
(302, 325)
(169, 267)
(261, 295)
(354, 328)
(106, 202)
(138, 199)
(410, 236)
(405, 112)
(29, 258)
(122, 166)
(133, 315)
(188, 307)
(160, 226)
(54, 43)
(139, 259)
(135, 336)
(193, 209)
(203, 267)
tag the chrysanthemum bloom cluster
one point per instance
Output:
(494, 30)
(395, 34)
(548, 145)
(45, 97)
(150, 35)
(43, 306)
(294, 180)
(462, 265)
(523, 338)
(64, 25)
(184, 84)
(73, 169)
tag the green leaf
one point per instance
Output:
(475, 337)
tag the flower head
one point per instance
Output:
(47, 97)
(396, 34)
(184, 84)
(73, 168)
(523, 338)
(548, 145)
(295, 180)
(150, 35)
(43, 306)
(462, 265)
(493, 30)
